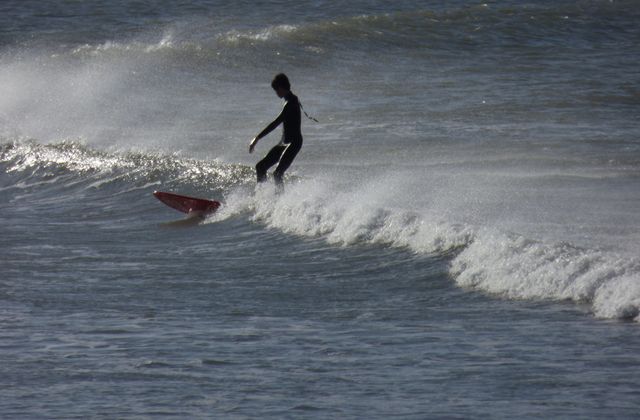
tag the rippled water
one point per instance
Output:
(458, 237)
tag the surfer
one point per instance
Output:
(285, 151)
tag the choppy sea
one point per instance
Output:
(458, 238)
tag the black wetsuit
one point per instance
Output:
(291, 142)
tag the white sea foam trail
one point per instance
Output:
(505, 264)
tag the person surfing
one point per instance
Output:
(291, 143)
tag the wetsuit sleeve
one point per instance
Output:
(273, 124)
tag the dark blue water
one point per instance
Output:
(458, 237)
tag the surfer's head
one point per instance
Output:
(281, 85)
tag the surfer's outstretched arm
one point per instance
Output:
(272, 126)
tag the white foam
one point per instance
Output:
(515, 267)
(346, 218)
(501, 263)
(619, 298)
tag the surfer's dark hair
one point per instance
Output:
(281, 80)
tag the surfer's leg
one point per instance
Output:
(285, 161)
(268, 161)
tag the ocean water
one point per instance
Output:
(458, 238)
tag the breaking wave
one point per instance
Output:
(502, 263)
(505, 264)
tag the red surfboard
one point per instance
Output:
(185, 204)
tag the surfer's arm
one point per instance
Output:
(272, 126)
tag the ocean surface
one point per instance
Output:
(458, 238)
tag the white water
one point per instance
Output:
(487, 258)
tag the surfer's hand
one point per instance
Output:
(252, 145)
